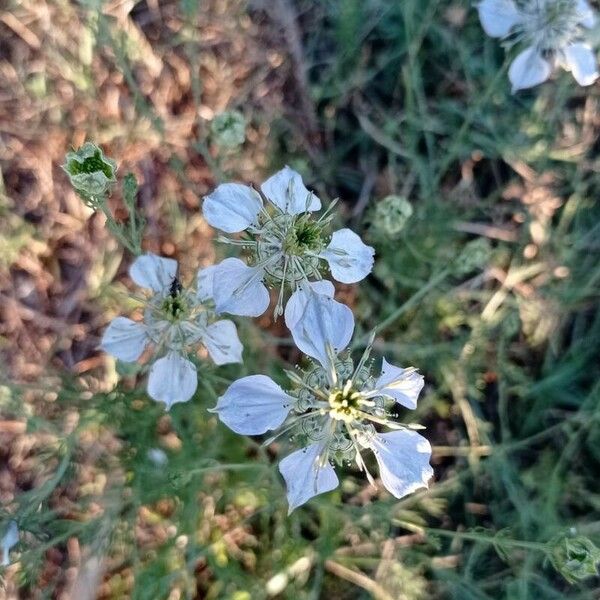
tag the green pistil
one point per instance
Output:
(175, 307)
(91, 164)
(303, 237)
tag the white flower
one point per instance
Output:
(286, 242)
(553, 32)
(9, 539)
(332, 410)
(175, 321)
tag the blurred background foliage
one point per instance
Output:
(481, 206)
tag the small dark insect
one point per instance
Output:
(175, 288)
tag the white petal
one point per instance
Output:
(350, 260)
(324, 322)
(587, 15)
(124, 339)
(296, 305)
(498, 17)
(172, 379)
(154, 272)
(404, 385)
(206, 278)
(403, 458)
(304, 478)
(232, 207)
(581, 61)
(253, 405)
(222, 342)
(238, 289)
(286, 190)
(9, 539)
(528, 69)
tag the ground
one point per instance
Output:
(490, 288)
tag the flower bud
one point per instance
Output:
(574, 557)
(90, 172)
(473, 256)
(229, 129)
(391, 214)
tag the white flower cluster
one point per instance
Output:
(553, 32)
(333, 409)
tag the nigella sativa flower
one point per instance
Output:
(286, 242)
(335, 410)
(553, 32)
(175, 321)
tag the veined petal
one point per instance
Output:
(154, 272)
(9, 539)
(403, 458)
(286, 190)
(124, 339)
(587, 15)
(528, 70)
(172, 379)
(296, 305)
(304, 477)
(498, 17)
(238, 289)
(324, 322)
(232, 207)
(580, 60)
(253, 405)
(205, 280)
(350, 260)
(403, 385)
(222, 342)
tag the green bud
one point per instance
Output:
(391, 214)
(473, 256)
(574, 557)
(90, 172)
(229, 129)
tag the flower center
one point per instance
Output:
(344, 403)
(552, 24)
(91, 164)
(174, 306)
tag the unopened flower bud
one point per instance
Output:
(575, 558)
(473, 256)
(91, 173)
(229, 129)
(391, 214)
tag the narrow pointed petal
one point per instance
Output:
(253, 405)
(124, 339)
(296, 305)
(9, 539)
(153, 272)
(238, 289)
(498, 17)
(304, 478)
(222, 342)
(403, 458)
(232, 207)
(205, 280)
(324, 322)
(587, 15)
(580, 60)
(350, 260)
(403, 385)
(172, 379)
(528, 70)
(286, 190)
